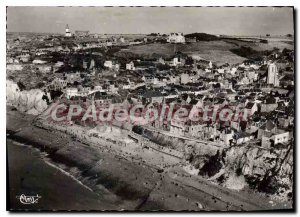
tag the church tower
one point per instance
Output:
(273, 75)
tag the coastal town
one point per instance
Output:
(151, 99)
(264, 87)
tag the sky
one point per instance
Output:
(141, 20)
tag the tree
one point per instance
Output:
(189, 61)
(21, 85)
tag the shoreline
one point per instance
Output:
(102, 171)
(128, 194)
(43, 156)
(30, 174)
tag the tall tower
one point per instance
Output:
(272, 75)
(68, 33)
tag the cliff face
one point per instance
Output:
(267, 170)
(163, 140)
(29, 101)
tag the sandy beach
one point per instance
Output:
(129, 183)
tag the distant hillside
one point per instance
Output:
(202, 37)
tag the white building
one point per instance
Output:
(177, 61)
(177, 128)
(57, 84)
(24, 58)
(108, 64)
(268, 141)
(281, 137)
(176, 38)
(111, 65)
(68, 33)
(130, 66)
(70, 92)
(122, 40)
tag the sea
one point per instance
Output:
(29, 174)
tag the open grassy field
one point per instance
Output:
(278, 42)
(216, 51)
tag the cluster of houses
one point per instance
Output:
(265, 89)
(270, 107)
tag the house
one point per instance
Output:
(101, 98)
(161, 61)
(281, 107)
(287, 80)
(242, 137)
(226, 135)
(244, 81)
(71, 92)
(152, 96)
(111, 65)
(72, 77)
(44, 68)
(269, 105)
(130, 66)
(176, 38)
(266, 129)
(221, 70)
(178, 60)
(122, 40)
(209, 132)
(220, 102)
(281, 137)
(126, 86)
(270, 140)
(57, 84)
(252, 75)
(24, 57)
(149, 79)
(251, 108)
(285, 122)
(230, 94)
(177, 127)
(57, 66)
(194, 129)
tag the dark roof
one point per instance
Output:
(288, 77)
(269, 125)
(194, 102)
(242, 134)
(249, 105)
(152, 93)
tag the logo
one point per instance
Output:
(28, 199)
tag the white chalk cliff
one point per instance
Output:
(28, 101)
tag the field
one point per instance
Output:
(216, 51)
(278, 42)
